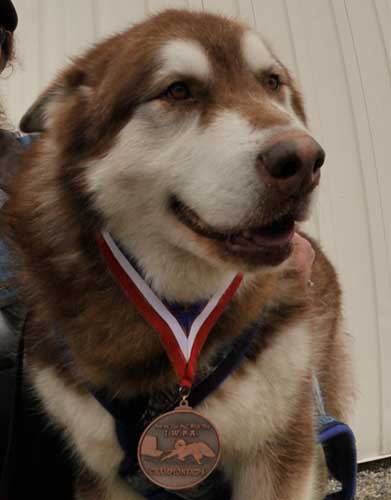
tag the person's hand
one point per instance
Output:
(302, 257)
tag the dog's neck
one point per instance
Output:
(173, 273)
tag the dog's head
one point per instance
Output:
(188, 136)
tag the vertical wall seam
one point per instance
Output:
(254, 16)
(94, 14)
(315, 214)
(386, 249)
(387, 57)
(382, 34)
(40, 44)
(380, 378)
(291, 37)
(252, 12)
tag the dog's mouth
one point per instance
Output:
(276, 234)
(246, 241)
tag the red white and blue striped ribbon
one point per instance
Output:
(182, 347)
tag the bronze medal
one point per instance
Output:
(179, 449)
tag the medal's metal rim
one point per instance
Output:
(187, 487)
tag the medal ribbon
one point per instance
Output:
(181, 347)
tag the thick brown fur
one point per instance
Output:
(53, 222)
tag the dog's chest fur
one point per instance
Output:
(249, 410)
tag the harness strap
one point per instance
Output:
(26, 140)
(339, 446)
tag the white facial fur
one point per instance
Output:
(211, 168)
(255, 52)
(258, 58)
(184, 57)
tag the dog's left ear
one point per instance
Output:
(37, 117)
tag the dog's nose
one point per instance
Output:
(291, 162)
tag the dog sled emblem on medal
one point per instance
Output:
(179, 449)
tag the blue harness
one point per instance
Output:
(131, 417)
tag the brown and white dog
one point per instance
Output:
(186, 138)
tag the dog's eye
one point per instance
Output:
(178, 91)
(273, 82)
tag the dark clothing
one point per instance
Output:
(8, 15)
(37, 464)
(33, 460)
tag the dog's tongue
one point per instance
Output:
(276, 234)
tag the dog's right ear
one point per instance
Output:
(37, 117)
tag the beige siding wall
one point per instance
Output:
(340, 50)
